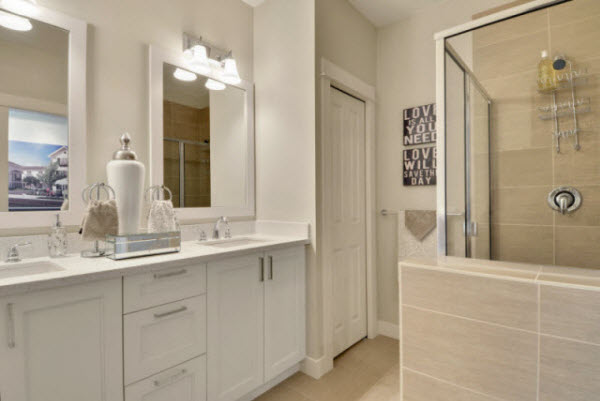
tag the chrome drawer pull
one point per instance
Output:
(169, 313)
(262, 268)
(170, 274)
(10, 326)
(159, 383)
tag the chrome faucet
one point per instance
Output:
(12, 255)
(217, 228)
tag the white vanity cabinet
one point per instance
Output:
(63, 344)
(256, 313)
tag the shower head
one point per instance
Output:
(560, 62)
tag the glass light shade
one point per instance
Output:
(14, 22)
(215, 85)
(198, 58)
(184, 75)
(230, 72)
(27, 7)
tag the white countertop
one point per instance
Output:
(79, 270)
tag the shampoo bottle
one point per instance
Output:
(546, 74)
(126, 176)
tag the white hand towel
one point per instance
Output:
(161, 217)
(100, 220)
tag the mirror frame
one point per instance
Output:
(157, 58)
(77, 120)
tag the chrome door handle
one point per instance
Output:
(170, 274)
(10, 326)
(262, 268)
(162, 382)
(270, 267)
(169, 313)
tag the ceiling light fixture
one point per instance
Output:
(215, 85)
(14, 22)
(184, 75)
(24, 7)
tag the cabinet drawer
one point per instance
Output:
(185, 382)
(163, 286)
(159, 338)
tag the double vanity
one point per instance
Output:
(221, 320)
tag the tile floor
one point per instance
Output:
(369, 371)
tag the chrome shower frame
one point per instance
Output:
(441, 51)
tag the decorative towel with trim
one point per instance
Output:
(100, 219)
(161, 217)
(420, 222)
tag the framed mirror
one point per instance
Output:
(42, 117)
(202, 139)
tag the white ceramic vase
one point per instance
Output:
(126, 176)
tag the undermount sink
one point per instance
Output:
(233, 242)
(26, 269)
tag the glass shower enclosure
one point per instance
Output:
(518, 135)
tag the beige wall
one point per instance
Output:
(346, 38)
(405, 78)
(119, 33)
(284, 62)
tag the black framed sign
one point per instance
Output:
(419, 166)
(419, 125)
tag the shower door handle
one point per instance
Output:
(470, 229)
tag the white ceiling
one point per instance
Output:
(384, 12)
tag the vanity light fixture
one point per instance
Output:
(14, 22)
(215, 85)
(184, 75)
(197, 57)
(24, 7)
(205, 58)
(230, 72)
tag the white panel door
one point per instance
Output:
(285, 310)
(345, 217)
(235, 343)
(63, 344)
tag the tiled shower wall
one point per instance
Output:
(493, 331)
(524, 164)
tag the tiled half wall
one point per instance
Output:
(484, 331)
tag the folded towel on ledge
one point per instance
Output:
(420, 222)
(161, 217)
(100, 219)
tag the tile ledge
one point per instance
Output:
(571, 277)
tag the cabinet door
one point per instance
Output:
(63, 344)
(235, 327)
(284, 310)
(185, 382)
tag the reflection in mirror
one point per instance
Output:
(34, 132)
(205, 141)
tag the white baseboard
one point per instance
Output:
(316, 368)
(388, 329)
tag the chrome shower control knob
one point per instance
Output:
(564, 199)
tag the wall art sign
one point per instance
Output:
(419, 166)
(419, 125)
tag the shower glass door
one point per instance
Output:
(467, 151)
